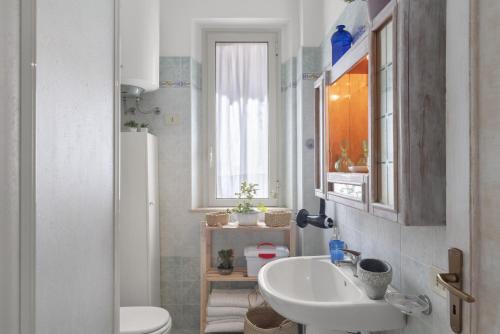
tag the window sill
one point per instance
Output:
(215, 209)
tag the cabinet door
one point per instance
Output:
(153, 221)
(422, 116)
(319, 138)
(384, 126)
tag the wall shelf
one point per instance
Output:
(238, 275)
(210, 274)
(261, 227)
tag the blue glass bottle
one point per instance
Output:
(341, 42)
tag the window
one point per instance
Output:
(242, 90)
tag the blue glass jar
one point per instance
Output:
(341, 42)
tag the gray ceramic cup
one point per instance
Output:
(375, 275)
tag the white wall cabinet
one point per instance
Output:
(139, 220)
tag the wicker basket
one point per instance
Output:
(265, 320)
(217, 218)
(278, 218)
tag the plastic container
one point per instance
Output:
(258, 256)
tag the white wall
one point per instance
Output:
(9, 166)
(177, 19)
(311, 22)
(331, 12)
(74, 167)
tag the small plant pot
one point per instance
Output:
(248, 219)
(131, 129)
(143, 130)
(376, 275)
(224, 271)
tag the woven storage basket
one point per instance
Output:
(265, 320)
(217, 218)
(278, 218)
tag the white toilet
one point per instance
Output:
(144, 320)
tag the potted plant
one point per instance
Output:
(246, 213)
(225, 260)
(131, 126)
(144, 127)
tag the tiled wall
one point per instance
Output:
(289, 118)
(410, 250)
(179, 227)
(308, 70)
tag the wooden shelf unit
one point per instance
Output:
(209, 273)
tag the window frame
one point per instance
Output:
(272, 38)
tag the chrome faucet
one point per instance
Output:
(353, 258)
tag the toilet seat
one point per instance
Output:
(144, 320)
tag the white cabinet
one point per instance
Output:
(139, 221)
(140, 43)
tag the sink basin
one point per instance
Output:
(312, 291)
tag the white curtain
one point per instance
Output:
(242, 116)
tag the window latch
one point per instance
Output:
(276, 189)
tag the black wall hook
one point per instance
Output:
(321, 220)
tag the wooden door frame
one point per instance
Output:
(475, 234)
(116, 166)
(462, 130)
(27, 185)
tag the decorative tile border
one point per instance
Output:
(310, 76)
(175, 84)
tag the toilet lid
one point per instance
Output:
(142, 319)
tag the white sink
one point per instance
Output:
(312, 291)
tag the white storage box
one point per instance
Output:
(258, 256)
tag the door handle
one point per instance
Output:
(446, 280)
(453, 281)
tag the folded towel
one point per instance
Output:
(228, 327)
(214, 311)
(235, 298)
(225, 319)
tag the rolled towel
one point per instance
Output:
(214, 311)
(235, 298)
(228, 327)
